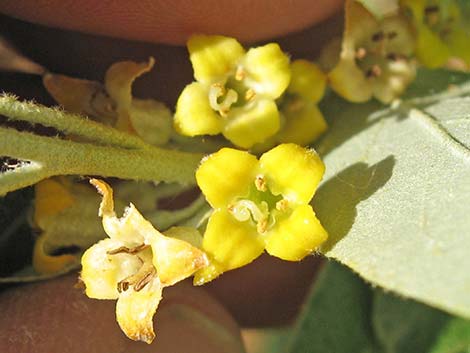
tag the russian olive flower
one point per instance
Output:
(234, 91)
(440, 30)
(133, 266)
(375, 59)
(113, 103)
(65, 214)
(259, 205)
(303, 122)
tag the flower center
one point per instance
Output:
(231, 93)
(146, 272)
(374, 55)
(261, 207)
(439, 20)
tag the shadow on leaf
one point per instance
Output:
(336, 200)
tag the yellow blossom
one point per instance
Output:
(440, 30)
(65, 213)
(113, 103)
(259, 204)
(234, 91)
(134, 264)
(375, 59)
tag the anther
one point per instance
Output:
(141, 283)
(282, 205)
(132, 251)
(374, 71)
(240, 73)
(262, 226)
(260, 183)
(250, 94)
(377, 37)
(391, 35)
(361, 53)
(122, 286)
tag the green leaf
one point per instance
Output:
(343, 314)
(396, 194)
(336, 318)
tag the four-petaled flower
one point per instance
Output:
(259, 205)
(375, 59)
(441, 33)
(133, 266)
(235, 90)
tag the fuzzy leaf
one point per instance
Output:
(396, 193)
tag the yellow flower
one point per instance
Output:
(303, 121)
(235, 90)
(375, 56)
(65, 213)
(259, 205)
(113, 103)
(441, 33)
(133, 266)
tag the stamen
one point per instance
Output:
(262, 226)
(260, 183)
(361, 53)
(242, 210)
(282, 205)
(122, 286)
(296, 105)
(374, 71)
(124, 249)
(431, 9)
(391, 35)
(240, 73)
(141, 283)
(377, 37)
(216, 91)
(250, 94)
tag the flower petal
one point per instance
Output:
(151, 120)
(297, 236)
(101, 272)
(194, 115)
(47, 264)
(268, 71)
(395, 78)
(52, 196)
(431, 51)
(308, 80)
(118, 82)
(303, 126)
(349, 82)
(292, 171)
(175, 259)
(213, 57)
(135, 310)
(229, 244)
(226, 175)
(252, 124)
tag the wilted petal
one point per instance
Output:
(135, 310)
(101, 272)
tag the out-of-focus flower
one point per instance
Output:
(113, 103)
(134, 264)
(376, 56)
(441, 33)
(234, 91)
(65, 214)
(259, 205)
